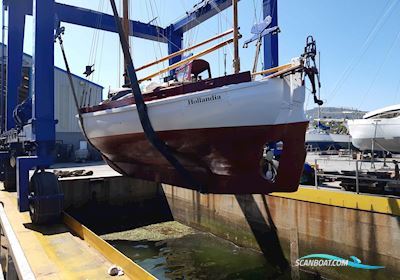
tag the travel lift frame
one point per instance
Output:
(41, 195)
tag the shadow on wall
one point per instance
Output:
(264, 231)
(394, 206)
(104, 217)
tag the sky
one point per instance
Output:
(359, 43)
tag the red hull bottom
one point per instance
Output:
(221, 160)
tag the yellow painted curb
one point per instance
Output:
(131, 269)
(378, 204)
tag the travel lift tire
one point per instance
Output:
(10, 179)
(10, 168)
(45, 198)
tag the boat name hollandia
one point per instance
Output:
(199, 100)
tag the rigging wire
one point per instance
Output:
(101, 58)
(226, 48)
(95, 36)
(155, 14)
(220, 12)
(255, 17)
(156, 19)
(93, 53)
(219, 50)
(149, 17)
(189, 37)
(379, 70)
(131, 13)
(75, 98)
(396, 94)
(119, 53)
(356, 59)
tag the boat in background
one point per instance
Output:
(322, 140)
(322, 137)
(378, 130)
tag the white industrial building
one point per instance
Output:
(68, 132)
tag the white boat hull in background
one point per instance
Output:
(384, 133)
(325, 141)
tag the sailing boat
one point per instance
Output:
(223, 131)
(322, 139)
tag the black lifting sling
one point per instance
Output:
(142, 108)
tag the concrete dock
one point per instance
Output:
(66, 250)
(54, 252)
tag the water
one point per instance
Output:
(174, 251)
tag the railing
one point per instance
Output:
(17, 266)
(357, 169)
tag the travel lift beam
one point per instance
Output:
(39, 135)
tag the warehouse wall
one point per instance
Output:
(65, 152)
(64, 109)
(68, 131)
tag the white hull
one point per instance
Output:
(327, 137)
(325, 141)
(265, 102)
(384, 133)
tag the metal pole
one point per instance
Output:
(319, 88)
(125, 24)
(357, 181)
(270, 8)
(236, 60)
(373, 147)
(258, 47)
(224, 64)
(2, 95)
(350, 151)
(15, 49)
(316, 173)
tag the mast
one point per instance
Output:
(2, 76)
(125, 26)
(319, 93)
(236, 59)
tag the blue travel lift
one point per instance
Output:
(31, 145)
